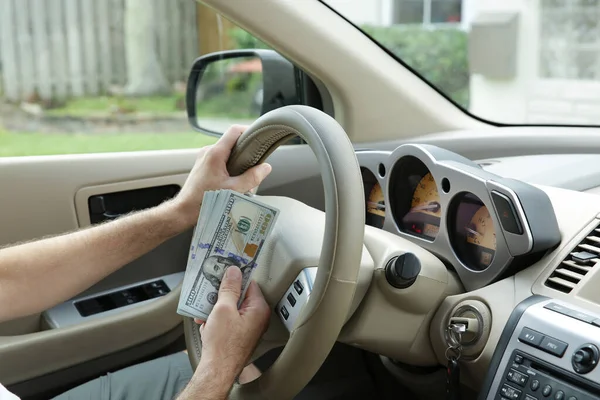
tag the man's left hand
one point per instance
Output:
(210, 173)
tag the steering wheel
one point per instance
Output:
(323, 316)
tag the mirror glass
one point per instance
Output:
(229, 92)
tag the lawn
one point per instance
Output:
(28, 144)
(221, 105)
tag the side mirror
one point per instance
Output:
(238, 86)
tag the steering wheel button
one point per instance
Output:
(298, 286)
(291, 299)
(284, 312)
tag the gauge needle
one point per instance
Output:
(376, 205)
(433, 206)
(472, 231)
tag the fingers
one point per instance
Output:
(227, 141)
(251, 178)
(254, 298)
(231, 286)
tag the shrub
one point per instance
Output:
(244, 40)
(439, 55)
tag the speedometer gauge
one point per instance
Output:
(414, 199)
(473, 235)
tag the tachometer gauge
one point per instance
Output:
(473, 233)
(423, 218)
(376, 207)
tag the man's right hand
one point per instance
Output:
(230, 336)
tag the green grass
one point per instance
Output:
(29, 144)
(232, 104)
(86, 106)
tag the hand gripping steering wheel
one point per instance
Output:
(318, 326)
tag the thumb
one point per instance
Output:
(251, 178)
(231, 286)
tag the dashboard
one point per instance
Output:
(482, 225)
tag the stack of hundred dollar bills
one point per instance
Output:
(231, 230)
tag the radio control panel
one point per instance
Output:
(548, 350)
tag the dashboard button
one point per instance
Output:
(581, 316)
(560, 395)
(531, 337)
(507, 214)
(547, 391)
(530, 397)
(510, 392)
(572, 398)
(558, 308)
(553, 346)
(519, 359)
(534, 385)
(517, 377)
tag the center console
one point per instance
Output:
(548, 350)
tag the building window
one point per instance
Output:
(570, 39)
(427, 12)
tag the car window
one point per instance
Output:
(521, 62)
(79, 76)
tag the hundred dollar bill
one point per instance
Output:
(231, 230)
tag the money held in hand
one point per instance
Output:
(231, 230)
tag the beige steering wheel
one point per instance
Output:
(319, 324)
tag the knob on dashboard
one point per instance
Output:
(585, 358)
(402, 271)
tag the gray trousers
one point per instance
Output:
(160, 379)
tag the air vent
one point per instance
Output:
(578, 263)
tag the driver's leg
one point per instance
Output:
(160, 379)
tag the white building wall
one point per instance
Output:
(505, 100)
(529, 98)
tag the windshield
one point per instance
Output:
(526, 62)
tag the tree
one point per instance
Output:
(144, 72)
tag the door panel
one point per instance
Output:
(49, 195)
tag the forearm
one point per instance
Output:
(211, 381)
(38, 275)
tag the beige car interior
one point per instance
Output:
(378, 104)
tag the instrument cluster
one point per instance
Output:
(482, 225)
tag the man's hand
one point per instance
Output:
(210, 173)
(229, 338)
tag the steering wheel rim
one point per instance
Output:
(328, 306)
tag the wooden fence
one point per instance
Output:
(63, 48)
